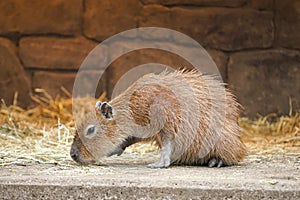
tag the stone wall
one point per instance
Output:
(255, 43)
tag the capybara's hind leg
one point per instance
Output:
(228, 151)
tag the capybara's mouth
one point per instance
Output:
(78, 159)
(85, 163)
(80, 155)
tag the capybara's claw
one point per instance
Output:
(158, 165)
(215, 162)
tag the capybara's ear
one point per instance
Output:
(106, 110)
(98, 106)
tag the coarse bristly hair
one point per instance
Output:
(194, 111)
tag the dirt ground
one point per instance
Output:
(258, 176)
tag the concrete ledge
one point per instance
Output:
(116, 192)
(123, 178)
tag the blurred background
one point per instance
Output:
(255, 44)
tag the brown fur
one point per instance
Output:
(186, 102)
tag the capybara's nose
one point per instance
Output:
(74, 155)
(74, 152)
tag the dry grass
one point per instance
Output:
(272, 134)
(43, 133)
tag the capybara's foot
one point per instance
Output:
(215, 162)
(159, 164)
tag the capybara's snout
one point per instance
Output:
(74, 152)
(79, 153)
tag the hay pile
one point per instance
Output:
(40, 134)
(272, 134)
(44, 133)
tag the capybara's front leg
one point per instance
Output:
(165, 157)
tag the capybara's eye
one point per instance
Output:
(90, 130)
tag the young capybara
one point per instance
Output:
(192, 117)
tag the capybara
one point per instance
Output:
(191, 116)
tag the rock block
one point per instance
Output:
(225, 29)
(155, 16)
(91, 83)
(261, 4)
(217, 28)
(12, 76)
(265, 80)
(220, 60)
(52, 82)
(40, 17)
(54, 53)
(287, 20)
(103, 19)
(133, 61)
(9, 45)
(227, 3)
